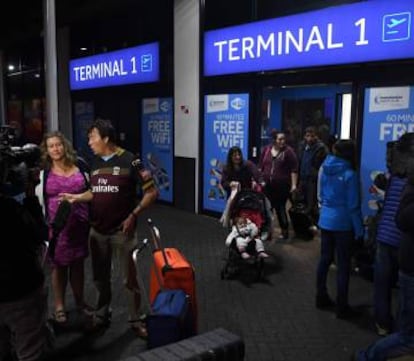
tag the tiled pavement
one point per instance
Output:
(276, 318)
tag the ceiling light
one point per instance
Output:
(11, 67)
(83, 49)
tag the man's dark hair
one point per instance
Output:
(310, 130)
(105, 129)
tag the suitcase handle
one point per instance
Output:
(136, 251)
(157, 245)
(144, 243)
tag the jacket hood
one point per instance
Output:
(335, 165)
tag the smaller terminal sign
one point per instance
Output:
(139, 64)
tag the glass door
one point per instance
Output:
(293, 109)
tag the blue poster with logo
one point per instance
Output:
(84, 115)
(388, 113)
(226, 124)
(157, 146)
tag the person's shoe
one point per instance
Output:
(313, 230)
(86, 310)
(139, 328)
(381, 330)
(347, 313)
(324, 302)
(244, 255)
(60, 317)
(98, 323)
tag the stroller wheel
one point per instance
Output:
(260, 270)
(224, 274)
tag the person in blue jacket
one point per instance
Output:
(399, 160)
(340, 222)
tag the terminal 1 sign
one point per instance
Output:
(361, 32)
(139, 64)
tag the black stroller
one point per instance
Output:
(254, 206)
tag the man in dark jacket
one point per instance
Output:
(401, 342)
(311, 154)
(23, 303)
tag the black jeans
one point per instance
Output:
(308, 189)
(341, 242)
(278, 194)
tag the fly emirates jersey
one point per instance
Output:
(114, 187)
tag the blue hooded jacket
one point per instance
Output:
(339, 197)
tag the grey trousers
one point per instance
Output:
(110, 252)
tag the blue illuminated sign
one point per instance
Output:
(139, 64)
(361, 32)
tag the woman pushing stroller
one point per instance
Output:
(242, 175)
(239, 172)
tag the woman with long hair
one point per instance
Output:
(239, 172)
(279, 165)
(61, 174)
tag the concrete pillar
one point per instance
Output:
(186, 102)
(64, 95)
(49, 19)
(2, 92)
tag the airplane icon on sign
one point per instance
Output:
(395, 22)
(396, 27)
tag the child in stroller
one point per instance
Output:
(251, 221)
(243, 232)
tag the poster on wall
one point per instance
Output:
(388, 113)
(157, 147)
(84, 114)
(226, 124)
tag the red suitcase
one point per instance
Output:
(174, 272)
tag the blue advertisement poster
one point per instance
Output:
(226, 124)
(84, 115)
(388, 113)
(157, 146)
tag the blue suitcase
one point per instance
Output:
(170, 318)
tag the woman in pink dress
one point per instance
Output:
(61, 174)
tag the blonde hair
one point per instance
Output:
(70, 155)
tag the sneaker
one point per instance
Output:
(245, 255)
(324, 302)
(382, 331)
(262, 254)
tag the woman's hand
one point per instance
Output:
(234, 185)
(71, 198)
(293, 188)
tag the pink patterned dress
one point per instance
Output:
(72, 243)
